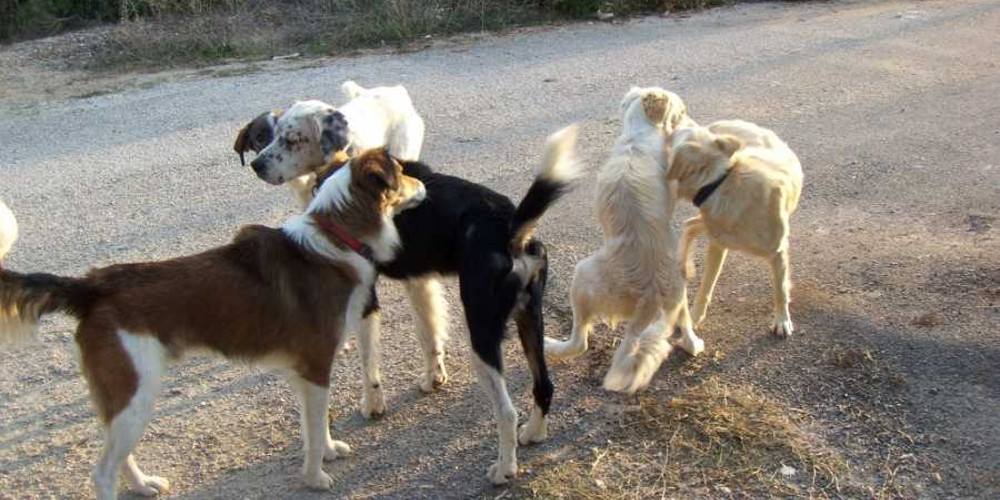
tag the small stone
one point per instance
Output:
(787, 471)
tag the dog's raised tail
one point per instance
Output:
(351, 89)
(25, 298)
(553, 178)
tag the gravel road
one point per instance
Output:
(892, 107)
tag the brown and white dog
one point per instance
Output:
(283, 298)
(371, 118)
(636, 275)
(8, 231)
(746, 184)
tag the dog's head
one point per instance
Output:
(661, 108)
(304, 137)
(372, 182)
(257, 134)
(696, 149)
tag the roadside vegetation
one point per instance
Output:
(150, 34)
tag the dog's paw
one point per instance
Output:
(373, 402)
(782, 328)
(690, 342)
(433, 378)
(319, 481)
(556, 350)
(337, 449)
(348, 346)
(536, 430)
(631, 378)
(151, 486)
(501, 473)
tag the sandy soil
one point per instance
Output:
(892, 107)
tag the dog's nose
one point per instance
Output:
(259, 166)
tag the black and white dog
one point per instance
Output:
(468, 230)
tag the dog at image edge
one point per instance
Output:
(746, 183)
(281, 298)
(8, 231)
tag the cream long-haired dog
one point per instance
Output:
(8, 231)
(746, 183)
(635, 276)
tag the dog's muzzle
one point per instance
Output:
(259, 167)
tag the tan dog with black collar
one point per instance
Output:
(746, 184)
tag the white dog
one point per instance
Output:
(746, 183)
(372, 118)
(8, 231)
(636, 275)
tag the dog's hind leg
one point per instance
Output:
(491, 379)
(427, 299)
(531, 329)
(683, 335)
(715, 256)
(642, 350)
(782, 323)
(488, 306)
(138, 360)
(693, 228)
(317, 443)
(585, 279)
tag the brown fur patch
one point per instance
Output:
(655, 106)
(377, 185)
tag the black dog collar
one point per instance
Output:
(708, 189)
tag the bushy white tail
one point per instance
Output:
(351, 89)
(553, 178)
(8, 230)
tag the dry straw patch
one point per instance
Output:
(715, 439)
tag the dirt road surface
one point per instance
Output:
(892, 106)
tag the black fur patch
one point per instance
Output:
(334, 136)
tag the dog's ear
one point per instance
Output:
(728, 144)
(257, 134)
(687, 158)
(678, 115)
(632, 94)
(241, 145)
(656, 105)
(334, 135)
(380, 169)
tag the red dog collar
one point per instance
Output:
(345, 237)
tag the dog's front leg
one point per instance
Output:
(427, 299)
(715, 256)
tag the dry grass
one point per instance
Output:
(715, 439)
(155, 34)
(205, 32)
